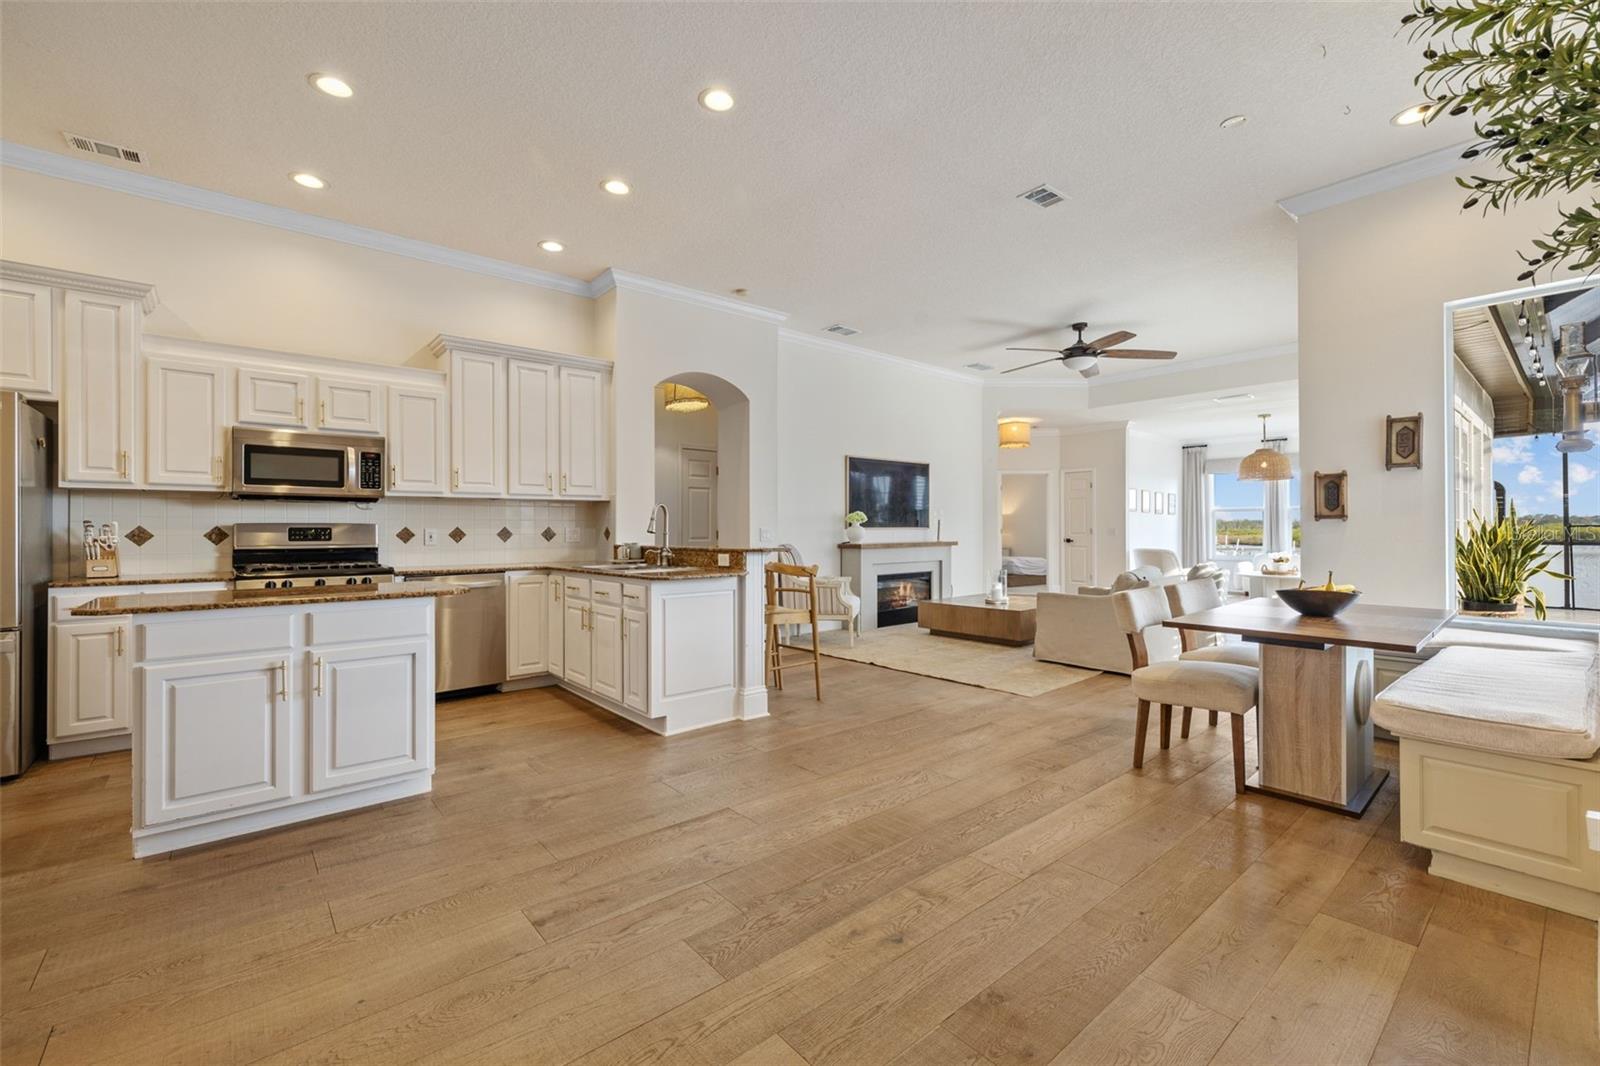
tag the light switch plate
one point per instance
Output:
(430, 537)
(765, 534)
(723, 559)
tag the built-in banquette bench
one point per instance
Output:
(1498, 767)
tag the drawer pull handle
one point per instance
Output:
(119, 643)
(283, 680)
(317, 684)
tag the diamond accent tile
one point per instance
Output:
(606, 533)
(458, 534)
(504, 534)
(404, 535)
(548, 534)
(216, 534)
(139, 535)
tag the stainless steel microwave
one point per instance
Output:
(282, 464)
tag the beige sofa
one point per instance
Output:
(1498, 768)
(1081, 629)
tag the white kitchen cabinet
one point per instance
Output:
(419, 440)
(583, 432)
(527, 623)
(575, 639)
(477, 424)
(555, 636)
(100, 339)
(532, 427)
(345, 406)
(269, 397)
(91, 682)
(27, 338)
(605, 648)
(185, 424)
(370, 712)
(219, 730)
(635, 660)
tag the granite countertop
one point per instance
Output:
(410, 573)
(227, 599)
(139, 579)
(870, 544)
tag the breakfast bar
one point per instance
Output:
(1313, 724)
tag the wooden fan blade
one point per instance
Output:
(1111, 340)
(1139, 353)
(1090, 371)
(1041, 362)
(1056, 350)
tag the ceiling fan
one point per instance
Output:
(1084, 356)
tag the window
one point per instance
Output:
(1238, 515)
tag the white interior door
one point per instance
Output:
(1077, 527)
(697, 480)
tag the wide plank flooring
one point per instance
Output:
(911, 872)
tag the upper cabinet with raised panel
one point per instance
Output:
(349, 406)
(27, 338)
(186, 425)
(271, 397)
(419, 440)
(525, 422)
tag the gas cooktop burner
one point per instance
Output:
(282, 556)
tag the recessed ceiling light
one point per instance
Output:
(307, 180)
(1412, 115)
(716, 100)
(1232, 121)
(552, 246)
(331, 85)
(616, 187)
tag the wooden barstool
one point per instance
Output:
(781, 611)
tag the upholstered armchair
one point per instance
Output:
(836, 601)
(1162, 559)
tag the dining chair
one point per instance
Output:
(1192, 597)
(786, 583)
(1212, 686)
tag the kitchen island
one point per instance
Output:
(257, 709)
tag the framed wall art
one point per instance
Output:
(1133, 499)
(1161, 503)
(1402, 442)
(1145, 501)
(1331, 499)
(1172, 503)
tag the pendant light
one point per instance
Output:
(683, 399)
(1015, 433)
(1265, 464)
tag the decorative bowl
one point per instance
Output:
(1318, 603)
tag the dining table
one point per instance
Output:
(1313, 713)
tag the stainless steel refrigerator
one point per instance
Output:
(25, 535)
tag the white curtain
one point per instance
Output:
(1276, 535)
(1195, 507)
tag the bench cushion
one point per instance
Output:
(1516, 702)
(1473, 637)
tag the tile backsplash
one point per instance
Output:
(186, 528)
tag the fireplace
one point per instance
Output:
(899, 594)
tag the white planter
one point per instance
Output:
(852, 534)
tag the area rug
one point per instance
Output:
(913, 650)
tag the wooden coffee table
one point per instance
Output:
(969, 618)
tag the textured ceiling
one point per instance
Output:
(868, 174)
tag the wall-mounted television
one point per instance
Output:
(891, 494)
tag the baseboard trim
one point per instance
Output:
(1565, 898)
(76, 749)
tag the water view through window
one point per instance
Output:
(1563, 499)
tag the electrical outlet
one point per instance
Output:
(765, 534)
(430, 537)
(724, 559)
(574, 535)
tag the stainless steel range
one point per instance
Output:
(274, 555)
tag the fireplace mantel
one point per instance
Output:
(863, 561)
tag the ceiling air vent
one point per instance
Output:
(980, 366)
(1042, 195)
(105, 148)
(839, 330)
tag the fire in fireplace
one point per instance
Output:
(899, 594)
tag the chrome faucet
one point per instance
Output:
(662, 535)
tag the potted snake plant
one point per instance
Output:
(1496, 562)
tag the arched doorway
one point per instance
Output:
(702, 459)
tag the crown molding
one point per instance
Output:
(828, 343)
(613, 278)
(85, 172)
(446, 343)
(215, 351)
(1443, 161)
(67, 279)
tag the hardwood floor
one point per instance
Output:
(912, 872)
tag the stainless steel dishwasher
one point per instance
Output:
(470, 640)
